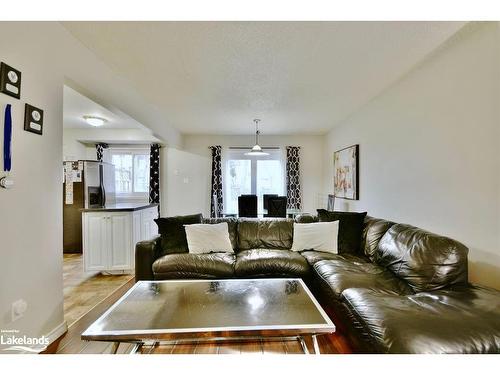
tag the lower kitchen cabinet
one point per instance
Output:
(109, 237)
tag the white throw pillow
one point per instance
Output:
(316, 236)
(204, 238)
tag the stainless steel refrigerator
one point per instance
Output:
(87, 184)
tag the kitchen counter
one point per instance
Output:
(121, 207)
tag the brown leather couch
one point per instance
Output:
(405, 292)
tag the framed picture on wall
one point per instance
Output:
(346, 173)
(33, 119)
(10, 81)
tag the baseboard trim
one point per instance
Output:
(57, 332)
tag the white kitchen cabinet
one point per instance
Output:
(120, 239)
(110, 235)
(95, 257)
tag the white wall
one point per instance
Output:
(184, 180)
(72, 148)
(429, 148)
(311, 166)
(31, 212)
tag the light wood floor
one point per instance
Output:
(83, 291)
(71, 342)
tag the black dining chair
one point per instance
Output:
(266, 197)
(247, 206)
(276, 207)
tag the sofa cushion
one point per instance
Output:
(265, 234)
(173, 235)
(232, 224)
(313, 256)
(425, 260)
(337, 275)
(194, 266)
(461, 319)
(350, 229)
(271, 263)
(373, 230)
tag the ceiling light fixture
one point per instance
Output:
(94, 121)
(256, 150)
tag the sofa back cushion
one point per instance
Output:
(373, 231)
(232, 224)
(173, 235)
(306, 219)
(426, 261)
(265, 234)
(350, 229)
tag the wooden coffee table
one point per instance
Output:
(213, 310)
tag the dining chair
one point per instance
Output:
(276, 207)
(266, 197)
(247, 206)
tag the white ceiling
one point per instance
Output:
(298, 77)
(76, 105)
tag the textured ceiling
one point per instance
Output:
(76, 106)
(298, 77)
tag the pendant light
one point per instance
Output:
(256, 150)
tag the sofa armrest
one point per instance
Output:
(145, 254)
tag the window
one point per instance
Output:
(131, 172)
(252, 175)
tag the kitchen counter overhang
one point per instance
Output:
(121, 207)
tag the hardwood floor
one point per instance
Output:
(83, 291)
(72, 344)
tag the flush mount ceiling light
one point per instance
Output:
(256, 150)
(94, 121)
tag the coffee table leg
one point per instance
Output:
(309, 342)
(315, 344)
(114, 348)
(136, 349)
(303, 344)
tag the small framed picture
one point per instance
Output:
(33, 119)
(10, 81)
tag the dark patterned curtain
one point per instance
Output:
(100, 147)
(293, 191)
(154, 174)
(216, 201)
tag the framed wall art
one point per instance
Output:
(346, 173)
(10, 81)
(33, 119)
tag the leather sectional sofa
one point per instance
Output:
(405, 291)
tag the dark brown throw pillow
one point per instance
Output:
(173, 234)
(350, 229)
